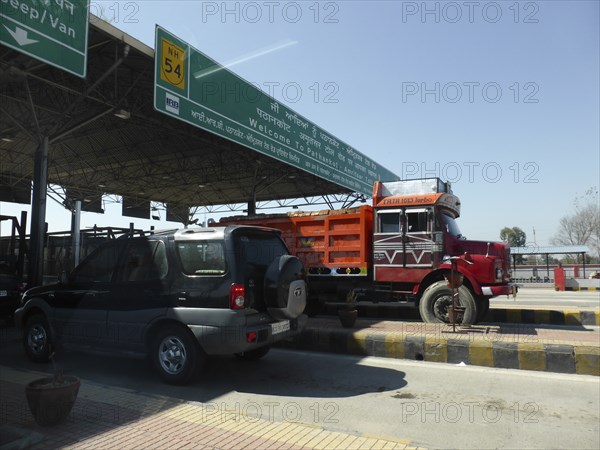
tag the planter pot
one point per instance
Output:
(348, 317)
(51, 402)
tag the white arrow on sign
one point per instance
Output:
(20, 35)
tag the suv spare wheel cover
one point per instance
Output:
(278, 278)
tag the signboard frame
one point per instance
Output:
(193, 88)
(48, 31)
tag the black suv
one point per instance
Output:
(174, 296)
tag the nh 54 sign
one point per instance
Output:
(192, 87)
(172, 64)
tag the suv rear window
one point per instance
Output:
(202, 257)
(259, 249)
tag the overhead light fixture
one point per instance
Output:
(122, 114)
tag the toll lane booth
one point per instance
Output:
(537, 267)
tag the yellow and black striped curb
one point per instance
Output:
(581, 289)
(541, 316)
(525, 354)
(499, 315)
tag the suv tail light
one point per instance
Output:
(237, 299)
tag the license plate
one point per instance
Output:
(3, 293)
(280, 327)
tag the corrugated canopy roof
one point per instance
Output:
(148, 157)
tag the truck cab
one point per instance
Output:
(415, 237)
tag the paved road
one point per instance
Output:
(545, 297)
(432, 405)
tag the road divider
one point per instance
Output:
(509, 347)
(495, 315)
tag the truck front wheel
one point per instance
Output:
(437, 300)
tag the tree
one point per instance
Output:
(516, 238)
(582, 227)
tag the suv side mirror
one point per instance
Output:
(64, 276)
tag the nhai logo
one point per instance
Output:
(172, 103)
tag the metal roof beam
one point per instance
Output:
(82, 124)
(18, 124)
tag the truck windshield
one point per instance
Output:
(451, 225)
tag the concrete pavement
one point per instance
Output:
(107, 417)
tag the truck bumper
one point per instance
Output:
(505, 289)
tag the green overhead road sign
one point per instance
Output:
(53, 31)
(192, 87)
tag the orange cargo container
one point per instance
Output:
(329, 242)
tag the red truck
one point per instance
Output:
(399, 249)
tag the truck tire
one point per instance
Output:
(483, 307)
(285, 288)
(436, 300)
(176, 355)
(37, 339)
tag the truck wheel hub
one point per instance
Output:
(441, 306)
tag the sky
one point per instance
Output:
(499, 98)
